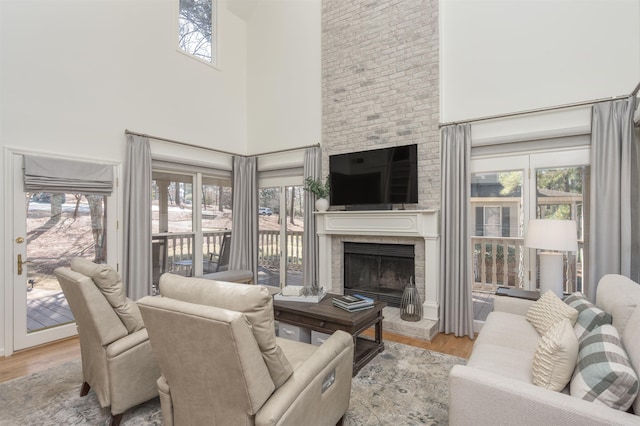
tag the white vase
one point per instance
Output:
(322, 204)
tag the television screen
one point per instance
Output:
(381, 176)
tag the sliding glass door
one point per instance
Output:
(191, 223)
(280, 229)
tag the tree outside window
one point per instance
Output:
(195, 29)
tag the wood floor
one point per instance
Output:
(40, 358)
(28, 361)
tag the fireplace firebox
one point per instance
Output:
(380, 271)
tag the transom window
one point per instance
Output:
(196, 29)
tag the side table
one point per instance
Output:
(518, 292)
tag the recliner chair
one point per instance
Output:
(117, 360)
(222, 364)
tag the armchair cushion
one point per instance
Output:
(254, 302)
(110, 284)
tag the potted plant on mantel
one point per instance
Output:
(320, 190)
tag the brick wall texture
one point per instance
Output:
(380, 82)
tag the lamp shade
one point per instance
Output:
(551, 234)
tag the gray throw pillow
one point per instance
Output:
(589, 315)
(604, 373)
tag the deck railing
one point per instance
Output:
(499, 262)
(172, 251)
(269, 249)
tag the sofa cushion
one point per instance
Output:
(508, 362)
(253, 301)
(548, 310)
(604, 374)
(589, 315)
(505, 346)
(508, 330)
(110, 284)
(555, 358)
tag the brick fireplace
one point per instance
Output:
(380, 88)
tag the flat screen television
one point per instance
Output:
(378, 177)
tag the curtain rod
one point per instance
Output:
(315, 145)
(543, 109)
(129, 132)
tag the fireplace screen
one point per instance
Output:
(382, 270)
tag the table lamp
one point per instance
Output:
(554, 237)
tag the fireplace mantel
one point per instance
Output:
(393, 223)
(385, 223)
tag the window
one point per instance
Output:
(59, 227)
(196, 29)
(507, 191)
(191, 216)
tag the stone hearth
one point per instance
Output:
(417, 227)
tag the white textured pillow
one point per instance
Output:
(555, 357)
(548, 310)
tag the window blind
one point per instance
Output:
(48, 174)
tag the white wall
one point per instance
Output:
(516, 55)
(284, 69)
(75, 74)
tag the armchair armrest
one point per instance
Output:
(320, 388)
(133, 371)
(480, 397)
(126, 343)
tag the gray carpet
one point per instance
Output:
(403, 385)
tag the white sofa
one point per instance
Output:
(495, 387)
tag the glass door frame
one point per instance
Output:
(528, 163)
(16, 334)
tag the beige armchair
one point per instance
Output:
(117, 360)
(222, 364)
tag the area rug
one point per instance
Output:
(404, 385)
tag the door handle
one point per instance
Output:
(20, 263)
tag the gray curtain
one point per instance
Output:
(244, 233)
(312, 168)
(136, 268)
(613, 230)
(456, 303)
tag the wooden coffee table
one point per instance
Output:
(326, 318)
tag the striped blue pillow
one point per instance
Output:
(604, 373)
(589, 315)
